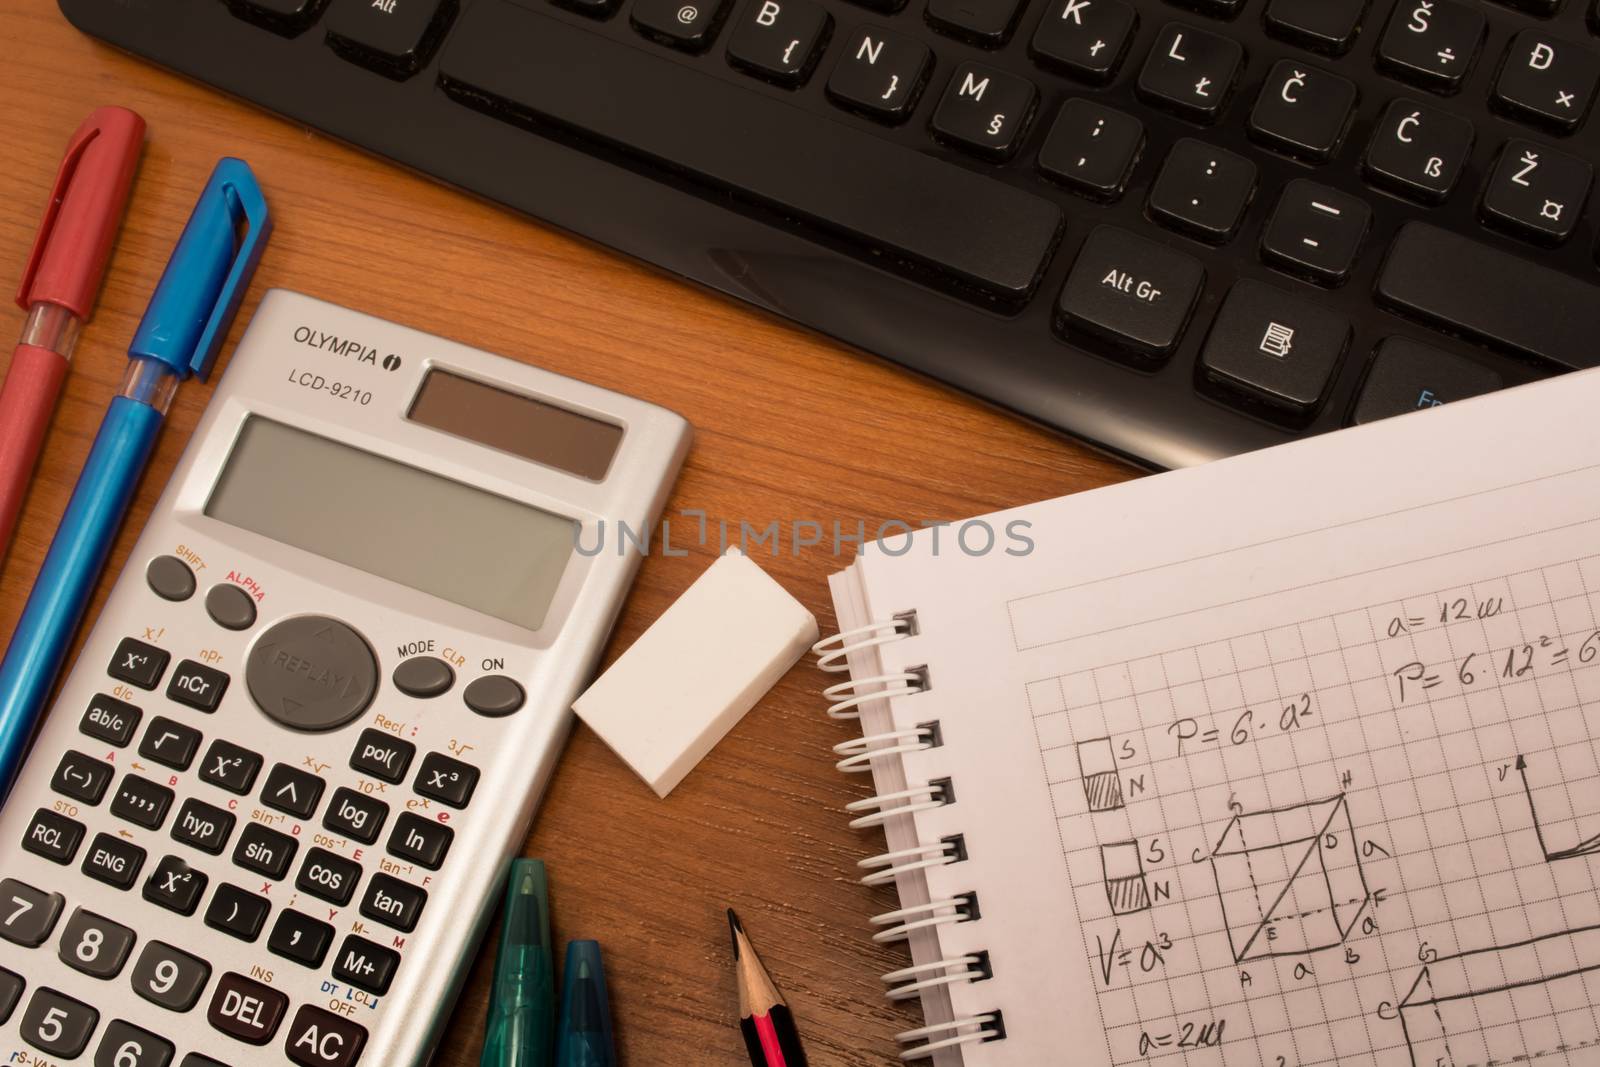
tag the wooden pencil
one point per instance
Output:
(769, 1032)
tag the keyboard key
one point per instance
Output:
(1191, 71)
(53, 836)
(294, 791)
(11, 987)
(1537, 192)
(446, 780)
(231, 607)
(175, 886)
(95, 945)
(984, 111)
(987, 23)
(141, 801)
(114, 861)
(1203, 190)
(975, 236)
(230, 767)
(319, 1038)
(495, 696)
(246, 1009)
(265, 851)
(1406, 375)
(58, 1025)
(1092, 149)
(1222, 9)
(27, 915)
(420, 840)
(168, 977)
(690, 26)
(138, 664)
(170, 743)
(1131, 291)
(395, 37)
(1275, 347)
(1432, 43)
(237, 911)
(361, 817)
(1085, 38)
(203, 826)
(126, 1045)
(1316, 232)
(81, 777)
(393, 902)
(1324, 25)
(1548, 80)
(194, 1059)
(330, 877)
(778, 40)
(1512, 303)
(112, 721)
(382, 756)
(197, 686)
(1304, 111)
(300, 938)
(365, 965)
(880, 73)
(287, 17)
(170, 578)
(1419, 150)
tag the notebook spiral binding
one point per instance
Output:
(857, 757)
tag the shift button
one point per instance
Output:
(170, 578)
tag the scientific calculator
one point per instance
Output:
(267, 817)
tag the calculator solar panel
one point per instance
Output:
(1175, 230)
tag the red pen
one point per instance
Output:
(59, 286)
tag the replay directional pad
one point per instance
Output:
(312, 673)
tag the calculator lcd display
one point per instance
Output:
(457, 542)
(522, 425)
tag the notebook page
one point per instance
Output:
(1285, 761)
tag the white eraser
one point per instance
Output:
(698, 668)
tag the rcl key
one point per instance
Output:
(985, 111)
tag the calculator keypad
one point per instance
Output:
(113, 860)
(230, 767)
(265, 851)
(237, 911)
(449, 781)
(111, 720)
(292, 791)
(202, 826)
(53, 836)
(318, 1038)
(329, 876)
(175, 886)
(300, 938)
(197, 686)
(169, 977)
(358, 816)
(170, 743)
(27, 915)
(365, 964)
(126, 1045)
(11, 987)
(58, 1025)
(420, 841)
(81, 777)
(142, 802)
(138, 664)
(246, 1009)
(95, 945)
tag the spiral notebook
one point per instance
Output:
(1283, 761)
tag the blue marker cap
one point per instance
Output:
(585, 1039)
(207, 275)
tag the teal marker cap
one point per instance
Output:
(585, 1010)
(522, 1003)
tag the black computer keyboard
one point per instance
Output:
(1177, 231)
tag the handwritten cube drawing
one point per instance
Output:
(1522, 1003)
(1122, 866)
(1290, 880)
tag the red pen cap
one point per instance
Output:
(80, 221)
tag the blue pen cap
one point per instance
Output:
(205, 279)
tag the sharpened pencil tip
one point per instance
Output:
(735, 928)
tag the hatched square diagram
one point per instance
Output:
(1290, 880)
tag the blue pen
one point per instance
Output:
(180, 334)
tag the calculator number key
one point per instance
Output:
(125, 1045)
(168, 977)
(95, 945)
(57, 1024)
(27, 915)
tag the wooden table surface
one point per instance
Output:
(788, 427)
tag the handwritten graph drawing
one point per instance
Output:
(1587, 847)
(1097, 767)
(1519, 1003)
(1290, 879)
(1126, 886)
